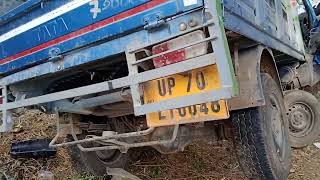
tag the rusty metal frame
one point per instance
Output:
(111, 141)
(248, 71)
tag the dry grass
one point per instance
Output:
(32, 125)
(198, 161)
(305, 163)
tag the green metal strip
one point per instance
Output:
(219, 9)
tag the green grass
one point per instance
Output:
(198, 165)
(156, 173)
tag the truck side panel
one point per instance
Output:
(273, 23)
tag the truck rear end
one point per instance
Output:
(122, 74)
(137, 47)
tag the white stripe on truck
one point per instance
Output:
(43, 19)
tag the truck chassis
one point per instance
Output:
(248, 44)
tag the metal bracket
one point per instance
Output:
(6, 115)
(54, 54)
(153, 21)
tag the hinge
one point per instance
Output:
(54, 54)
(153, 21)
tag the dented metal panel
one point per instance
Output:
(274, 23)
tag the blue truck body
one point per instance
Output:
(45, 45)
(157, 65)
(73, 29)
(32, 33)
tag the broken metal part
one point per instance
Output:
(38, 148)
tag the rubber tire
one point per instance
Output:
(89, 162)
(253, 139)
(307, 98)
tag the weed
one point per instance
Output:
(198, 165)
(156, 172)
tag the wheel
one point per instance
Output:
(97, 162)
(261, 136)
(303, 112)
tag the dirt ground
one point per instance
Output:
(198, 161)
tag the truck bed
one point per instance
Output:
(34, 35)
(50, 27)
(273, 23)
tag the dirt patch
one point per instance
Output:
(199, 160)
(305, 164)
(31, 125)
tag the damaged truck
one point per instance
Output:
(121, 75)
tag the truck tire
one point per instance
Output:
(303, 112)
(261, 136)
(97, 162)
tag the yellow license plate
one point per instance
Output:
(194, 82)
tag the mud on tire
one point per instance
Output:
(262, 153)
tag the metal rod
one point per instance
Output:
(123, 146)
(114, 144)
(115, 136)
(179, 67)
(104, 99)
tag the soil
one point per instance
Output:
(199, 160)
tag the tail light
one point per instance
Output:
(181, 54)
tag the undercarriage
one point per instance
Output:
(128, 132)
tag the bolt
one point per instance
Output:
(183, 26)
(192, 22)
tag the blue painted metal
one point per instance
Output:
(75, 20)
(95, 53)
(314, 29)
(247, 17)
(65, 24)
(20, 10)
(311, 13)
(316, 58)
(27, 12)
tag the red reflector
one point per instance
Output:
(169, 58)
(182, 54)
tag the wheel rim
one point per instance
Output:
(277, 127)
(301, 119)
